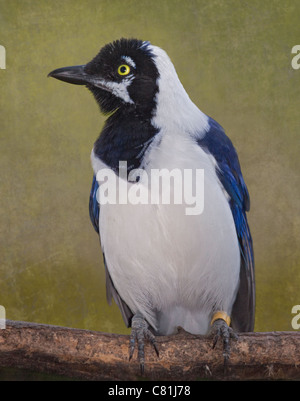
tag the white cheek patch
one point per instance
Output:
(118, 89)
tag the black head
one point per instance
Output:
(123, 75)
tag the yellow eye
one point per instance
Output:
(124, 69)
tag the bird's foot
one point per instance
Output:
(220, 329)
(140, 332)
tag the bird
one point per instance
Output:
(165, 268)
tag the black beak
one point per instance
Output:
(76, 75)
(73, 75)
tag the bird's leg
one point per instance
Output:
(140, 332)
(220, 329)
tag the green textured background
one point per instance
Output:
(234, 59)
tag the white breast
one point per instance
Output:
(172, 267)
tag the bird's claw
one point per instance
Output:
(220, 329)
(140, 332)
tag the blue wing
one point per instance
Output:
(111, 291)
(229, 173)
(94, 205)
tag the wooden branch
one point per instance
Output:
(93, 355)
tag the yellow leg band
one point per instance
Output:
(220, 315)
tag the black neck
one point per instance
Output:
(125, 137)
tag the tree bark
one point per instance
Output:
(91, 355)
